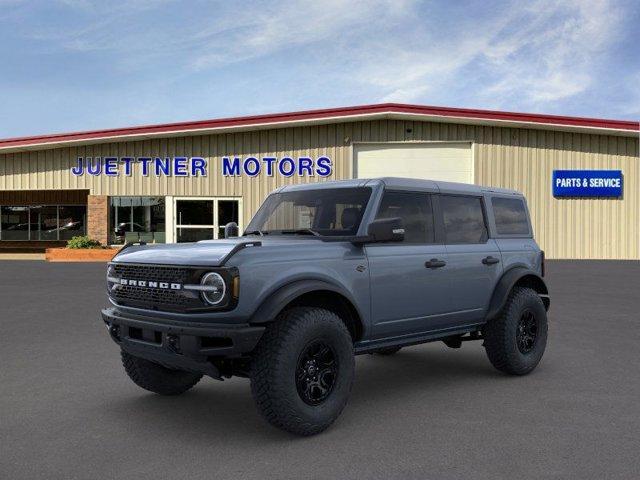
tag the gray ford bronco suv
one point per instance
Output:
(324, 272)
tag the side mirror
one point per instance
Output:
(231, 230)
(386, 230)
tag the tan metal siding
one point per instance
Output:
(522, 159)
(567, 228)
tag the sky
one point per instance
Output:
(73, 65)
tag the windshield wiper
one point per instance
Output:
(301, 231)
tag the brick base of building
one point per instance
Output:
(98, 218)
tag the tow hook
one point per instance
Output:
(172, 343)
(114, 331)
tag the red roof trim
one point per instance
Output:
(309, 115)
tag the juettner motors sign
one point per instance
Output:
(198, 166)
(587, 183)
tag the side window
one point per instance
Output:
(511, 216)
(463, 219)
(415, 211)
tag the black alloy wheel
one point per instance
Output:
(316, 372)
(516, 339)
(527, 332)
(302, 370)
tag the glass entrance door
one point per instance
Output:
(204, 218)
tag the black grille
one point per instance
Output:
(152, 272)
(155, 298)
(151, 296)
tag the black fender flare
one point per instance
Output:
(281, 297)
(506, 283)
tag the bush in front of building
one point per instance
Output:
(83, 241)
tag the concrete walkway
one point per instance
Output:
(21, 256)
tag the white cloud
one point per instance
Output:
(630, 106)
(218, 33)
(553, 55)
(276, 26)
(512, 55)
(529, 56)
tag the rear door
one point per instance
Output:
(408, 279)
(475, 263)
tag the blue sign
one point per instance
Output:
(285, 166)
(197, 166)
(587, 183)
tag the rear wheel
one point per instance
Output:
(156, 378)
(515, 341)
(302, 370)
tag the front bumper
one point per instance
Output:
(185, 346)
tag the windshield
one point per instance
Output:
(326, 212)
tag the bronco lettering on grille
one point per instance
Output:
(151, 284)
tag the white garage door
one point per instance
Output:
(450, 162)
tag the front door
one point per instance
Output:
(409, 288)
(200, 218)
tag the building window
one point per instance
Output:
(204, 218)
(71, 221)
(42, 222)
(137, 219)
(227, 213)
(15, 223)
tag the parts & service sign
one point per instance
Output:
(587, 183)
(199, 166)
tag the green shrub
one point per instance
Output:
(82, 241)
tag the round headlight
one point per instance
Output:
(214, 288)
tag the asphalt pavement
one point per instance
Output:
(68, 411)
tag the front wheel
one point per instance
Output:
(302, 370)
(515, 341)
(156, 378)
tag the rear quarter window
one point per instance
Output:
(510, 215)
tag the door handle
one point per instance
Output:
(490, 260)
(435, 263)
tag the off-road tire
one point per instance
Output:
(500, 334)
(276, 362)
(156, 378)
(388, 351)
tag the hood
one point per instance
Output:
(200, 253)
(208, 253)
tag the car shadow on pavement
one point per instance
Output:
(223, 410)
(419, 370)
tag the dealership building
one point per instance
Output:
(184, 181)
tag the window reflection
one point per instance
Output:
(42, 222)
(135, 219)
(71, 222)
(15, 223)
